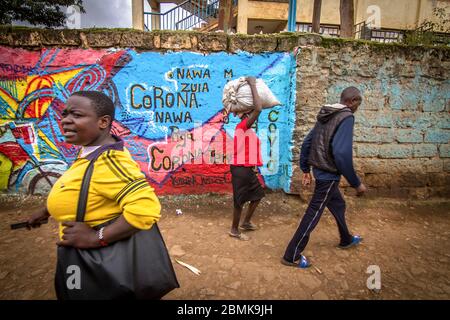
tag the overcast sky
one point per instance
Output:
(111, 13)
(106, 14)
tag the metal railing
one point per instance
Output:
(427, 35)
(363, 31)
(187, 15)
(330, 30)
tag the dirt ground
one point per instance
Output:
(409, 240)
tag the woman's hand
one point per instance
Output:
(256, 99)
(78, 235)
(37, 218)
(256, 102)
(251, 81)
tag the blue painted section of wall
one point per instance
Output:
(149, 82)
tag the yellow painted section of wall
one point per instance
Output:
(393, 14)
(242, 18)
(32, 83)
(405, 14)
(267, 10)
(49, 143)
(11, 102)
(329, 11)
(137, 13)
(427, 10)
(398, 14)
(5, 171)
(279, 11)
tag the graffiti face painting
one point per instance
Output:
(168, 112)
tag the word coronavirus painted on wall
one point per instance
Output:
(168, 111)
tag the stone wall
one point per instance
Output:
(402, 129)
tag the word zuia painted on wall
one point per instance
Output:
(168, 112)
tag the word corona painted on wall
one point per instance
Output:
(157, 98)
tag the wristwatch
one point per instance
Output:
(101, 240)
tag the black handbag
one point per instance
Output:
(138, 267)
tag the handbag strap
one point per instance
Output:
(82, 199)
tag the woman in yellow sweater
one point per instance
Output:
(118, 191)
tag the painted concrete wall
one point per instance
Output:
(402, 128)
(402, 132)
(169, 112)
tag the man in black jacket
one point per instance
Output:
(328, 149)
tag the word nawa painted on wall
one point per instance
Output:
(168, 112)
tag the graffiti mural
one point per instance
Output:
(168, 111)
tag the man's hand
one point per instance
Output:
(361, 190)
(306, 179)
(78, 235)
(37, 218)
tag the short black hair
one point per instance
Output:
(103, 104)
(350, 93)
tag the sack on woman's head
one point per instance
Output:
(237, 96)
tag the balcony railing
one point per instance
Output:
(185, 16)
(363, 31)
(330, 30)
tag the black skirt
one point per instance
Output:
(246, 186)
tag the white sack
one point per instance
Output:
(237, 96)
